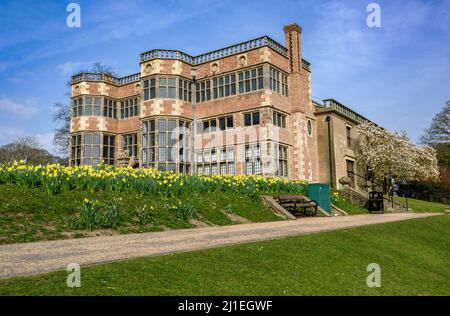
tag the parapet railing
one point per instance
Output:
(220, 53)
(192, 60)
(306, 65)
(167, 54)
(129, 79)
(92, 76)
(335, 105)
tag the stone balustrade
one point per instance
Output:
(192, 60)
(220, 53)
(91, 76)
(335, 105)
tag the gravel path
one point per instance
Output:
(40, 257)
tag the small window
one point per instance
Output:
(252, 118)
(309, 126)
(349, 136)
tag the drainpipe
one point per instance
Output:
(330, 151)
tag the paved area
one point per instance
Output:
(40, 257)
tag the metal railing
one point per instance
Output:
(390, 193)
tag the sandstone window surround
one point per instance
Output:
(279, 119)
(349, 136)
(110, 108)
(251, 80)
(92, 106)
(279, 82)
(185, 90)
(280, 159)
(166, 144)
(129, 107)
(162, 87)
(109, 149)
(75, 150)
(252, 118)
(224, 86)
(213, 161)
(215, 124)
(77, 107)
(253, 163)
(92, 148)
(130, 144)
(203, 91)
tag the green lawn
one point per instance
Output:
(414, 257)
(28, 214)
(424, 206)
(349, 207)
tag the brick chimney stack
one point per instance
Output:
(304, 152)
(293, 43)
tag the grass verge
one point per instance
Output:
(423, 206)
(414, 257)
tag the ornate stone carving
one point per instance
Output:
(214, 68)
(242, 60)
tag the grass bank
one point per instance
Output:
(28, 214)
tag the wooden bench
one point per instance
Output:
(298, 204)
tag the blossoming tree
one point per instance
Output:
(386, 155)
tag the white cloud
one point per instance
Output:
(19, 110)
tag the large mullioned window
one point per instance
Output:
(165, 144)
(130, 144)
(94, 106)
(251, 80)
(214, 161)
(75, 150)
(280, 160)
(279, 119)
(215, 124)
(92, 148)
(253, 163)
(129, 108)
(278, 82)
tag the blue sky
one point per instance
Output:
(397, 75)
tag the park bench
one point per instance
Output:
(298, 204)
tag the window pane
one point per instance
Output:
(247, 119)
(255, 118)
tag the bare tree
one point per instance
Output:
(62, 133)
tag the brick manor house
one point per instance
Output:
(249, 107)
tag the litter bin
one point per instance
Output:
(320, 192)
